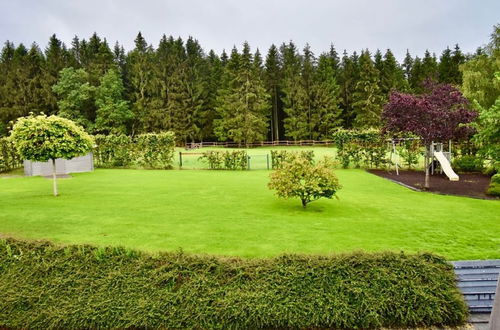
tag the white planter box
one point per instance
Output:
(63, 166)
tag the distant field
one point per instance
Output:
(233, 213)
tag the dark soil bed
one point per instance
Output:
(470, 184)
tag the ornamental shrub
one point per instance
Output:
(494, 187)
(41, 138)
(309, 181)
(468, 163)
(44, 286)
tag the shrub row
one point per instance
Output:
(79, 287)
(9, 157)
(226, 160)
(366, 148)
(494, 187)
(279, 157)
(151, 150)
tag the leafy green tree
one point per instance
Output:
(41, 138)
(479, 82)
(299, 177)
(113, 111)
(75, 95)
(488, 127)
(368, 99)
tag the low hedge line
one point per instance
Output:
(226, 160)
(45, 286)
(9, 157)
(150, 150)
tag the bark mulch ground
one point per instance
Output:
(470, 184)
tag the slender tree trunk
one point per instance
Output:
(54, 178)
(275, 115)
(304, 203)
(426, 185)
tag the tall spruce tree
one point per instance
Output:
(327, 97)
(368, 99)
(348, 77)
(243, 102)
(295, 121)
(272, 80)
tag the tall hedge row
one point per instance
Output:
(9, 157)
(76, 287)
(151, 150)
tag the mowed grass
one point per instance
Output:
(233, 213)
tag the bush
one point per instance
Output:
(468, 163)
(9, 157)
(302, 178)
(228, 160)
(77, 287)
(151, 150)
(494, 187)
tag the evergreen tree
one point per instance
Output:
(272, 80)
(445, 66)
(243, 103)
(368, 99)
(348, 77)
(407, 66)
(327, 98)
(139, 66)
(56, 58)
(112, 110)
(391, 75)
(295, 122)
(457, 59)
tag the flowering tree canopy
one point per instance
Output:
(434, 116)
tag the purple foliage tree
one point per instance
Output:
(440, 114)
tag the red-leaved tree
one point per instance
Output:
(438, 115)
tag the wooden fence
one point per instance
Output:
(196, 145)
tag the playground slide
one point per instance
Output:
(445, 165)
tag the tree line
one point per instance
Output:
(240, 96)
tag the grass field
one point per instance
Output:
(233, 213)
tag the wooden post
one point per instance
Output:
(267, 160)
(248, 162)
(495, 313)
(180, 159)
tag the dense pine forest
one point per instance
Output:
(242, 95)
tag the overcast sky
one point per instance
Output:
(416, 25)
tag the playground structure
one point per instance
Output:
(436, 159)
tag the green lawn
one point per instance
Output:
(233, 213)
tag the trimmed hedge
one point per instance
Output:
(151, 150)
(46, 286)
(9, 157)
